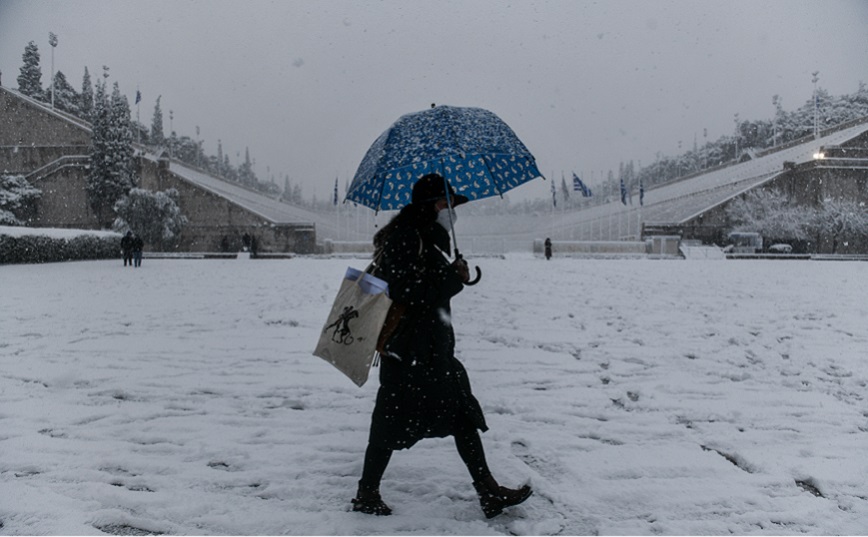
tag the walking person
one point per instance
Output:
(127, 248)
(138, 245)
(548, 248)
(424, 390)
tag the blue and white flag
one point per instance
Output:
(579, 186)
(623, 192)
(554, 195)
(138, 96)
(335, 201)
(641, 193)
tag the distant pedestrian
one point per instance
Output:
(127, 248)
(548, 248)
(138, 244)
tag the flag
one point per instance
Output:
(138, 96)
(579, 186)
(564, 188)
(335, 201)
(554, 195)
(623, 192)
(641, 193)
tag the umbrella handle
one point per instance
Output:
(478, 277)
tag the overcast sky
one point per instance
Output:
(308, 86)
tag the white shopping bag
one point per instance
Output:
(348, 339)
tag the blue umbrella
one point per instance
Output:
(471, 148)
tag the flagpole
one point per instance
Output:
(552, 220)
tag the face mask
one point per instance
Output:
(443, 218)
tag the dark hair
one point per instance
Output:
(415, 215)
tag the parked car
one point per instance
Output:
(780, 248)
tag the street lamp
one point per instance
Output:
(52, 40)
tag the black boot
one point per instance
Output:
(368, 501)
(494, 499)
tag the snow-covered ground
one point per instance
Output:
(639, 397)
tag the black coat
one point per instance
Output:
(127, 243)
(424, 390)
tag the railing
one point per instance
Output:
(67, 161)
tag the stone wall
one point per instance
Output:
(216, 224)
(56, 146)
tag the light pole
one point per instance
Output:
(198, 148)
(735, 118)
(52, 40)
(814, 79)
(171, 133)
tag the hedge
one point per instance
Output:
(42, 249)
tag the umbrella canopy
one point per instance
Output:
(472, 148)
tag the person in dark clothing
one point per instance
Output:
(138, 245)
(127, 248)
(548, 247)
(424, 390)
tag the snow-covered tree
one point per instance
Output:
(154, 216)
(157, 137)
(769, 213)
(30, 79)
(841, 220)
(245, 172)
(17, 197)
(111, 170)
(86, 97)
(65, 96)
(219, 169)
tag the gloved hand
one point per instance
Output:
(461, 268)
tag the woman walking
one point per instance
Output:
(424, 390)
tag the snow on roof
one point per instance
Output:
(683, 200)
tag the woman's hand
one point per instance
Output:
(461, 268)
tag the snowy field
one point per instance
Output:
(639, 397)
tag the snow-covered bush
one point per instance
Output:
(153, 216)
(16, 198)
(47, 249)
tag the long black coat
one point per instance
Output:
(424, 390)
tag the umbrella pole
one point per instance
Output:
(457, 254)
(451, 224)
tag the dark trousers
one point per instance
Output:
(469, 448)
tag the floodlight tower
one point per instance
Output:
(52, 40)
(814, 79)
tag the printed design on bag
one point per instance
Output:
(342, 333)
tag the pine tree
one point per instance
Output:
(30, 79)
(111, 169)
(157, 137)
(287, 190)
(245, 173)
(86, 97)
(121, 139)
(220, 158)
(65, 96)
